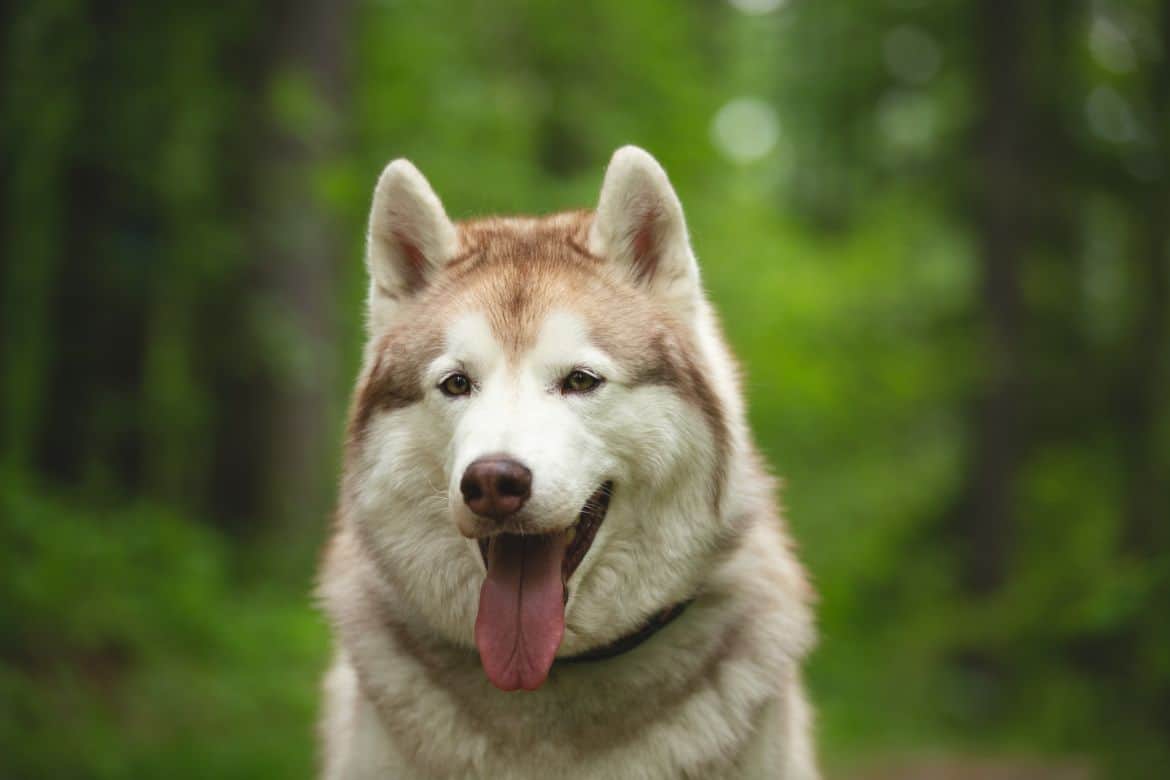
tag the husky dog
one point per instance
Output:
(557, 552)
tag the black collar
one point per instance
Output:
(657, 622)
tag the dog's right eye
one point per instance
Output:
(580, 381)
(455, 384)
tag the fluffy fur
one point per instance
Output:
(517, 303)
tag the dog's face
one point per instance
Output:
(536, 448)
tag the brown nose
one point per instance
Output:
(495, 486)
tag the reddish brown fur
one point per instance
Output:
(645, 246)
(414, 273)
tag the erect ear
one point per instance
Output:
(639, 225)
(410, 238)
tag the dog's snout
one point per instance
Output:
(496, 486)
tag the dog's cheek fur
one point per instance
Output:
(655, 544)
(399, 506)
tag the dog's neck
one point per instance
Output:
(624, 644)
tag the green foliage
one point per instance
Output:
(129, 651)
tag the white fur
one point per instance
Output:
(401, 583)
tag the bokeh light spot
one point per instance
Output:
(745, 129)
(1110, 46)
(757, 7)
(1110, 116)
(911, 54)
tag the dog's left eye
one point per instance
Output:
(455, 384)
(579, 381)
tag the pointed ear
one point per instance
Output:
(639, 226)
(410, 238)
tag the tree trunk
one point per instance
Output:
(300, 260)
(987, 507)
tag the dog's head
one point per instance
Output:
(544, 400)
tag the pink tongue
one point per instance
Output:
(521, 609)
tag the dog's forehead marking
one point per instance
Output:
(542, 294)
(561, 337)
(517, 270)
(517, 302)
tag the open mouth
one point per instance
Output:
(580, 535)
(521, 617)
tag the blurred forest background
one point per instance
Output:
(938, 231)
